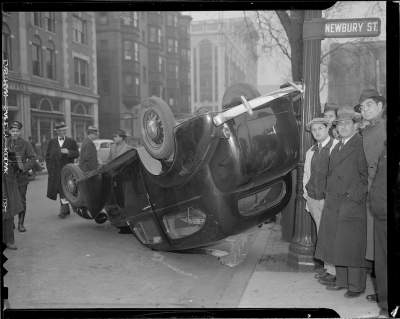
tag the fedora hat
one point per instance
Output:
(60, 126)
(370, 93)
(120, 132)
(92, 128)
(317, 120)
(347, 113)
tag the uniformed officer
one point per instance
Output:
(25, 160)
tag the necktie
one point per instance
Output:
(340, 144)
(319, 147)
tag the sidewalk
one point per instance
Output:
(276, 285)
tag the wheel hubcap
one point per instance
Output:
(154, 128)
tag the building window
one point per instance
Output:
(170, 45)
(51, 61)
(37, 56)
(160, 64)
(81, 72)
(135, 19)
(137, 86)
(79, 27)
(128, 50)
(136, 51)
(6, 45)
(152, 34)
(159, 36)
(144, 75)
(128, 79)
(103, 17)
(176, 71)
(50, 21)
(37, 21)
(195, 74)
(176, 46)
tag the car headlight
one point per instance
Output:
(184, 223)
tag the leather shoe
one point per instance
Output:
(327, 280)
(321, 275)
(21, 229)
(372, 297)
(11, 246)
(335, 287)
(352, 294)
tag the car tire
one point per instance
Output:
(157, 124)
(233, 93)
(70, 175)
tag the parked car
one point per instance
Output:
(221, 172)
(103, 147)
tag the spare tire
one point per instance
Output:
(233, 93)
(70, 175)
(157, 127)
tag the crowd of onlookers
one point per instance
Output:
(345, 188)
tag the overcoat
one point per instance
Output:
(117, 150)
(374, 136)
(55, 161)
(342, 234)
(88, 159)
(12, 201)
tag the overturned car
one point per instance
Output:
(219, 173)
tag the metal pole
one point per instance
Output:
(302, 246)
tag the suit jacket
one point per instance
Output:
(342, 233)
(117, 150)
(55, 161)
(88, 158)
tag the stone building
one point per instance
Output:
(52, 77)
(223, 53)
(141, 54)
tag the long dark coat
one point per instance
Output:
(343, 230)
(88, 159)
(12, 201)
(55, 161)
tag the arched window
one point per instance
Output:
(6, 44)
(51, 61)
(45, 105)
(80, 109)
(37, 56)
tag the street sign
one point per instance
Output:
(341, 28)
(347, 28)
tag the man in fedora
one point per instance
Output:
(120, 146)
(61, 150)
(22, 159)
(342, 232)
(314, 179)
(88, 159)
(372, 108)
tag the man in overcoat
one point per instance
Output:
(372, 106)
(88, 159)
(61, 150)
(25, 160)
(378, 200)
(342, 234)
(120, 146)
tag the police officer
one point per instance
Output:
(25, 160)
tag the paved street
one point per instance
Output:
(78, 263)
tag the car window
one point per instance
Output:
(105, 145)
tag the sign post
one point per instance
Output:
(315, 29)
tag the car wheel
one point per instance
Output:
(70, 175)
(101, 218)
(233, 93)
(157, 127)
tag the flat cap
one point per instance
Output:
(16, 124)
(120, 133)
(317, 120)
